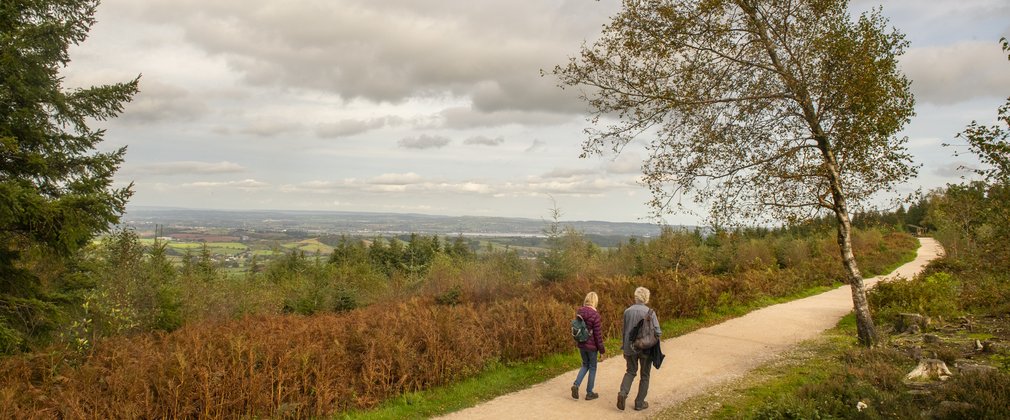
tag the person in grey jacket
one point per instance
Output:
(637, 361)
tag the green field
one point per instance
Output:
(215, 248)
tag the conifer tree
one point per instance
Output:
(56, 189)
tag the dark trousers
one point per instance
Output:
(637, 363)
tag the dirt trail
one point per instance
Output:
(695, 361)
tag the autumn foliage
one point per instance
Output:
(287, 365)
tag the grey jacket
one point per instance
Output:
(632, 315)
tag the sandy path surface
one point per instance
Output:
(703, 358)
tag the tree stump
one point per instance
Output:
(910, 323)
(929, 370)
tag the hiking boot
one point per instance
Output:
(620, 401)
(641, 407)
(575, 392)
(592, 396)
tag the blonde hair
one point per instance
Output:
(642, 295)
(591, 299)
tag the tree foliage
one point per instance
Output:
(761, 109)
(744, 103)
(56, 190)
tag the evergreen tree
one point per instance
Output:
(56, 190)
(206, 266)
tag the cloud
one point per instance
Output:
(183, 168)
(468, 117)
(577, 183)
(350, 127)
(484, 141)
(625, 163)
(396, 179)
(270, 128)
(319, 187)
(423, 141)
(955, 73)
(575, 186)
(538, 145)
(954, 169)
(490, 52)
(245, 184)
(159, 101)
(569, 173)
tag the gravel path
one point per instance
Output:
(704, 358)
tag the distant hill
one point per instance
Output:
(361, 223)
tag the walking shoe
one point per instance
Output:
(592, 396)
(641, 407)
(620, 401)
(575, 392)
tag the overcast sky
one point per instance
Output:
(434, 107)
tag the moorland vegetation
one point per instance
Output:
(308, 335)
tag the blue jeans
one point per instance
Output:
(588, 365)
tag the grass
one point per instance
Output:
(497, 380)
(229, 245)
(185, 245)
(812, 361)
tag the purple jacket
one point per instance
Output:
(593, 321)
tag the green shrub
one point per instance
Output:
(453, 296)
(933, 295)
(986, 292)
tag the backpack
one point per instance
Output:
(580, 331)
(645, 336)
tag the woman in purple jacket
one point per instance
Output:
(589, 349)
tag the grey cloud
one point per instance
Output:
(537, 146)
(484, 141)
(956, 73)
(345, 128)
(464, 117)
(270, 128)
(184, 168)
(489, 51)
(530, 93)
(162, 102)
(423, 141)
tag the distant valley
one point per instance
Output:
(369, 224)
